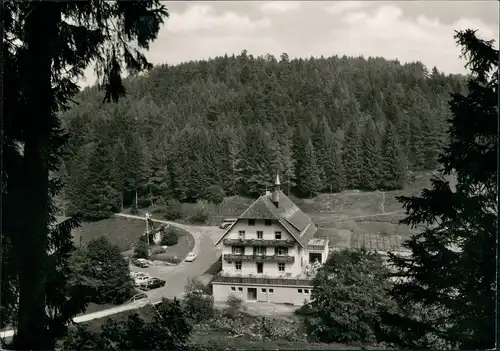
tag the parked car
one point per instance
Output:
(226, 222)
(153, 283)
(141, 280)
(141, 262)
(140, 299)
(190, 257)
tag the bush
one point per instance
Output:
(169, 259)
(215, 194)
(169, 238)
(347, 306)
(158, 251)
(201, 213)
(141, 250)
(134, 210)
(234, 305)
(198, 303)
(99, 271)
(172, 210)
(304, 310)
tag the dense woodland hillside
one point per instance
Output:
(188, 131)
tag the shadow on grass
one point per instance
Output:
(215, 268)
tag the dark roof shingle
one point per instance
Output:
(296, 222)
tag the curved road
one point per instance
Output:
(177, 276)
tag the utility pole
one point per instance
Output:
(147, 229)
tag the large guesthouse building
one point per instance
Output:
(268, 253)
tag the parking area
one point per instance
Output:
(177, 276)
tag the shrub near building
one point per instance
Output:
(350, 292)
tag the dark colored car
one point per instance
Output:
(153, 283)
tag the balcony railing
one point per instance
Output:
(221, 278)
(259, 242)
(259, 258)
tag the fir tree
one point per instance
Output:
(369, 177)
(309, 174)
(351, 156)
(393, 166)
(334, 169)
(452, 267)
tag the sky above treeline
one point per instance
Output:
(406, 30)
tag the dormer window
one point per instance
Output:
(251, 222)
(277, 235)
(267, 222)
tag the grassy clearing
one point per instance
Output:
(122, 232)
(185, 245)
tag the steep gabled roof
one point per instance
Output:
(296, 222)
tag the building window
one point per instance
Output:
(260, 267)
(251, 222)
(299, 291)
(241, 234)
(237, 265)
(306, 291)
(238, 250)
(281, 251)
(281, 267)
(267, 222)
(277, 235)
(260, 234)
(271, 291)
(240, 289)
(233, 288)
(259, 250)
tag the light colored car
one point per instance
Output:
(140, 299)
(190, 257)
(141, 280)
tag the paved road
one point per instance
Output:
(88, 317)
(177, 276)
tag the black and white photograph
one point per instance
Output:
(249, 175)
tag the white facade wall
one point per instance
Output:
(295, 295)
(269, 268)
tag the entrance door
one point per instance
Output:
(260, 267)
(252, 294)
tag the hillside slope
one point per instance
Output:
(229, 124)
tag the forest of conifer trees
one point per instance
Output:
(325, 124)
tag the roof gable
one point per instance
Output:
(296, 222)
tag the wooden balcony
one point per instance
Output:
(259, 242)
(265, 281)
(259, 258)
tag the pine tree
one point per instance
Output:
(369, 176)
(431, 143)
(100, 199)
(416, 145)
(393, 166)
(452, 268)
(351, 156)
(309, 175)
(334, 169)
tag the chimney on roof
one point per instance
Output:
(275, 195)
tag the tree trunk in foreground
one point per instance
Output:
(41, 31)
